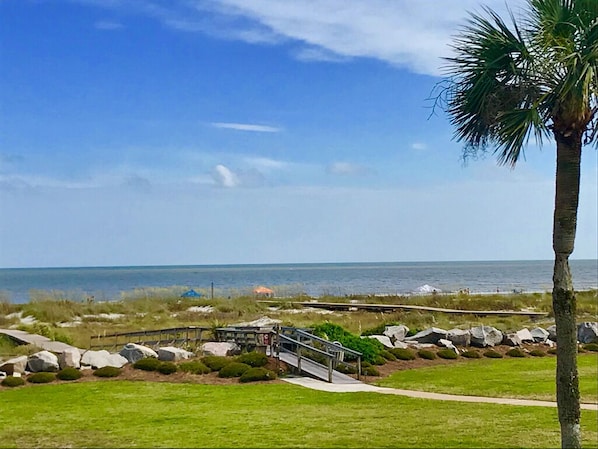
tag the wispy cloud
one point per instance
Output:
(108, 25)
(347, 169)
(418, 146)
(266, 164)
(225, 177)
(246, 127)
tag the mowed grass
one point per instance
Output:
(528, 378)
(145, 414)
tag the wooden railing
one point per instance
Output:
(187, 337)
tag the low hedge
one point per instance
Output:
(257, 374)
(425, 354)
(402, 354)
(471, 354)
(346, 368)
(447, 353)
(107, 371)
(167, 368)
(591, 347)
(233, 369)
(492, 354)
(370, 371)
(69, 373)
(388, 355)
(12, 381)
(147, 364)
(194, 367)
(41, 378)
(515, 352)
(254, 359)
(537, 353)
(216, 362)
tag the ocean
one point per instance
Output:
(20, 285)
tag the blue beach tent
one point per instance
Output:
(191, 294)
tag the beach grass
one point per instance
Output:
(524, 378)
(145, 414)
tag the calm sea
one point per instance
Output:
(110, 283)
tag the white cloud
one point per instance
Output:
(108, 25)
(225, 177)
(418, 146)
(266, 164)
(246, 127)
(346, 169)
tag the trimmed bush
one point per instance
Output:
(388, 355)
(216, 362)
(591, 347)
(515, 352)
(402, 354)
(492, 354)
(12, 381)
(425, 354)
(257, 374)
(69, 374)
(167, 368)
(379, 360)
(107, 371)
(41, 378)
(537, 353)
(147, 364)
(194, 367)
(345, 368)
(254, 359)
(233, 369)
(370, 371)
(369, 347)
(471, 354)
(447, 353)
(551, 351)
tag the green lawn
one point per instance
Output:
(528, 378)
(141, 414)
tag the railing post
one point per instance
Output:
(358, 367)
(329, 369)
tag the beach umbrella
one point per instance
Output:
(191, 294)
(263, 291)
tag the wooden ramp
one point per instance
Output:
(315, 369)
(40, 341)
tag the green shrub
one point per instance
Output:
(345, 368)
(591, 347)
(41, 378)
(167, 368)
(515, 352)
(492, 354)
(257, 374)
(425, 354)
(379, 360)
(388, 355)
(471, 354)
(370, 371)
(233, 369)
(194, 367)
(254, 359)
(537, 353)
(369, 347)
(216, 362)
(447, 353)
(551, 351)
(147, 364)
(402, 354)
(107, 371)
(69, 373)
(12, 381)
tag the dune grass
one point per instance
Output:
(526, 378)
(141, 414)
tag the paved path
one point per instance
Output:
(37, 340)
(356, 387)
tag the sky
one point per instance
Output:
(155, 132)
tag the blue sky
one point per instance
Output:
(147, 132)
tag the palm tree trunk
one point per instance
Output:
(563, 295)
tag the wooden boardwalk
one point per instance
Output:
(40, 341)
(315, 369)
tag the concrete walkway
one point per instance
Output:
(37, 340)
(357, 387)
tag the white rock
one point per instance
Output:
(134, 352)
(525, 335)
(511, 339)
(95, 359)
(220, 348)
(483, 336)
(172, 354)
(14, 365)
(431, 335)
(69, 358)
(382, 339)
(401, 344)
(116, 360)
(397, 332)
(42, 361)
(459, 337)
(540, 335)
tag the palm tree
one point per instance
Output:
(536, 74)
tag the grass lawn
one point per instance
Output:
(527, 378)
(156, 414)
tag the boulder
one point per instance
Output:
(382, 339)
(483, 336)
(511, 339)
(525, 335)
(447, 344)
(69, 358)
(172, 354)
(550, 343)
(431, 335)
(401, 344)
(134, 352)
(14, 365)
(540, 335)
(42, 361)
(397, 332)
(220, 348)
(551, 332)
(102, 358)
(587, 332)
(459, 337)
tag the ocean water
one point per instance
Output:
(111, 283)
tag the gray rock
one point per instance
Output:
(483, 336)
(14, 365)
(511, 339)
(220, 348)
(397, 332)
(116, 360)
(550, 343)
(42, 361)
(587, 332)
(540, 335)
(134, 352)
(459, 337)
(95, 359)
(431, 335)
(382, 339)
(69, 358)
(525, 335)
(552, 332)
(401, 344)
(447, 344)
(172, 354)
